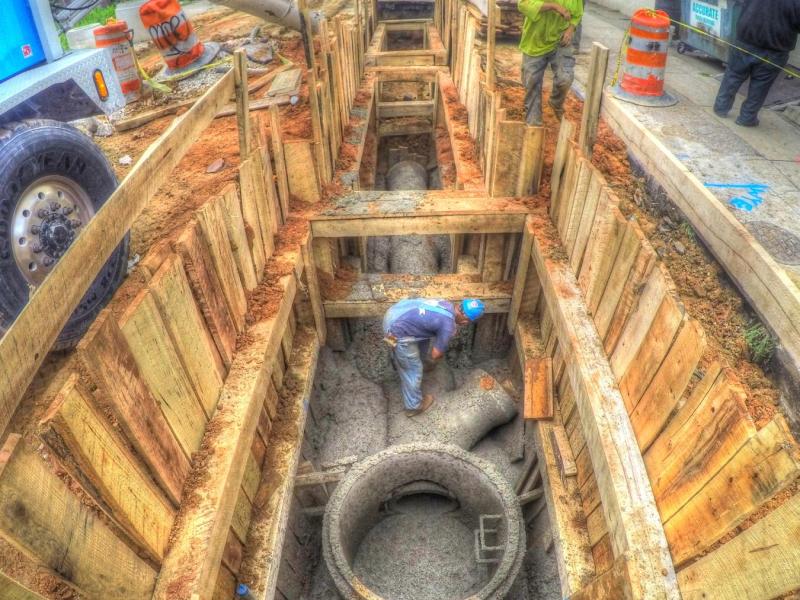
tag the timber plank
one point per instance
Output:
(584, 231)
(600, 276)
(207, 291)
(637, 326)
(538, 398)
(600, 242)
(628, 504)
(300, 166)
(26, 343)
(758, 564)
(192, 340)
(651, 353)
(104, 353)
(13, 590)
(766, 464)
(252, 225)
(613, 584)
(688, 455)
(576, 206)
(135, 502)
(213, 233)
(162, 371)
(237, 235)
(40, 515)
(667, 387)
(276, 136)
(629, 249)
(565, 133)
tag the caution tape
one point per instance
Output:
(626, 37)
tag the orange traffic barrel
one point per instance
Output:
(174, 36)
(645, 62)
(116, 36)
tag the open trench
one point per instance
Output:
(423, 507)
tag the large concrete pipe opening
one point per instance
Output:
(457, 531)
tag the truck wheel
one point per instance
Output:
(53, 179)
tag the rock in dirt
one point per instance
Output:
(679, 248)
(126, 160)
(216, 166)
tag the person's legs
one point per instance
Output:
(736, 72)
(409, 366)
(762, 76)
(533, 68)
(563, 66)
(576, 38)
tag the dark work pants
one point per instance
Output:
(762, 75)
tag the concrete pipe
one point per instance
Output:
(464, 415)
(469, 545)
(407, 175)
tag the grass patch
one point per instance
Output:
(687, 230)
(760, 343)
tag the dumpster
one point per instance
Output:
(715, 17)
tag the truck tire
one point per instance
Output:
(53, 179)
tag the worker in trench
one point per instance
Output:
(547, 39)
(765, 35)
(408, 328)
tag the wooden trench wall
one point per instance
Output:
(145, 476)
(708, 465)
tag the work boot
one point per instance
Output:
(427, 402)
(741, 123)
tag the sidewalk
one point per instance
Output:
(766, 159)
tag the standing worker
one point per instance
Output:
(547, 33)
(766, 33)
(408, 327)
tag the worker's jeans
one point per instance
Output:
(762, 76)
(408, 359)
(562, 62)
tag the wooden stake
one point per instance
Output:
(490, 44)
(242, 101)
(594, 93)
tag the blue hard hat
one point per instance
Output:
(473, 309)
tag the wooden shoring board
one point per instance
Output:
(374, 295)
(249, 203)
(301, 168)
(763, 282)
(406, 108)
(765, 465)
(628, 504)
(276, 137)
(572, 550)
(703, 436)
(523, 274)
(13, 590)
(420, 212)
(275, 493)
(669, 383)
(613, 584)
(507, 158)
(360, 119)
(207, 290)
(538, 397)
(566, 131)
(105, 356)
(231, 212)
(214, 235)
(43, 518)
(32, 334)
(419, 74)
(758, 564)
(193, 560)
(133, 500)
(192, 339)
(162, 370)
(585, 230)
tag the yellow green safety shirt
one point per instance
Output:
(541, 31)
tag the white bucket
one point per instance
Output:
(129, 12)
(82, 37)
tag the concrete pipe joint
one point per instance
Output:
(456, 534)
